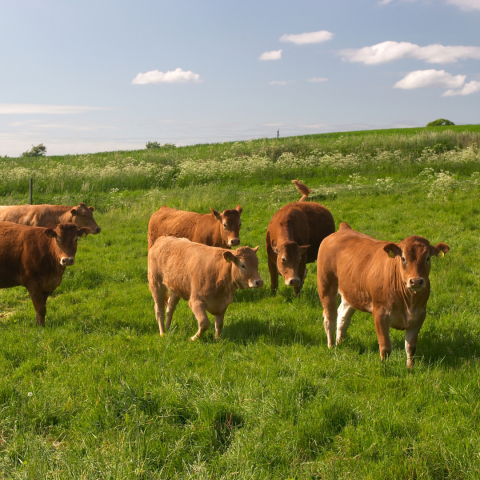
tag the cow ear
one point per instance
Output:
(83, 232)
(304, 249)
(50, 232)
(229, 256)
(216, 214)
(91, 209)
(255, 249)
(73, 211)
(439, 250)
(274, 246)
(239, 209)
(393, 250)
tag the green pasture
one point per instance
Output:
(97, 394)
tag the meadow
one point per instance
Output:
(97, 394)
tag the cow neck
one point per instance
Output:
(233, 282)
(66, 216)
(54, 256)
(217, 238)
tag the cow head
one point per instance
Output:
(414, 254)
(83, 217)
(288, 259)
(245, 267)
(230, 225)
(66, 235)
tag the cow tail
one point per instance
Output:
(303, 189)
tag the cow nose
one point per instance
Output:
(259, 283)
(416, 282)
(67, 261)
(293, 282)
(98, 230)
(235, 241)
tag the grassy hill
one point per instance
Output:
(98, 394)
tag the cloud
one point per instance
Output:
(390, 51)
(175, 76)
(273, 55)
(281, 82)
(317, 79)
(30, 109)
(466, 4)
(468, 89)
(314, 125)
(310, 37)
(430, 78)
(384, 2)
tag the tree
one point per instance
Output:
(152, 145)
(440, 122)
(38, 151)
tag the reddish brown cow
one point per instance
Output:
(215, 229)
(36, 257)
(205, 276)
(50, 215)
(293, 237)
(389, 280)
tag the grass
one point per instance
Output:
(98, 395)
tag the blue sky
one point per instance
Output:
(103, 75)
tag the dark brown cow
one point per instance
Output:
(293, 237)
(215, 229)
(50, 215)
(36, 257)
(205, 276)
(389, 280)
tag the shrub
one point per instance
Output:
(440, 122)
(152, 145)
(38, 151)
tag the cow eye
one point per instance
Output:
(225, 225)
(403, 260)
(243, 266)
(428, 259)
(284, 260)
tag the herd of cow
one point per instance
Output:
(190, 256)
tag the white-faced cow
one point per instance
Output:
(205, 276)
(50, 216)
(215, 229)
(388, 280)
(36, 257)
(293, 236)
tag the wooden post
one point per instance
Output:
(31, 191)
(278, 133)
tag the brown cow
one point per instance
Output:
(205, 276)
(293, 237)
(50, 215)
(215, 229)
(36, 257)
(389, 280)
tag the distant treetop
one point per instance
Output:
(38, 151)
(440, 122)
(154, 145)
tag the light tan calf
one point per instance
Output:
(205, 276)
(50, 216)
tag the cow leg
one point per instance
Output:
(39, 300)
(219, 324)
(302, 273)
(272, 267)
(345, 313)
(198, 309)
(411, 336)
(159, 290)
(172, 305)
(382, 327)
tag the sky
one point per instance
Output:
(103, 75)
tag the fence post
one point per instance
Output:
(278, 133)
(31, 191)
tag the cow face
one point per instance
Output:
(245, 267)
(83, 217)
(230, 225)
(289, 256)
(414, 255)
(66, 235)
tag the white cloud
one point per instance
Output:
(175, 76)
(29, 109)
(468, 89)
(390, 51)
(384, 2)
(430, 78)
(317, 79)
(310, 37)
(281, 82)
(466, 4)
(273, 55)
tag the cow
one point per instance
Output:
(215, 229)
(50, 215)
(36, 257)
(388, 280)
(293, 236)
(205, 276)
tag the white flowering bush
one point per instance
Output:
(443, 185)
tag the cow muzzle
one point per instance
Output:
(67, 261)
(416, 284)
(255, 283)
(97, 230)
(233, 242)
(292, 282)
